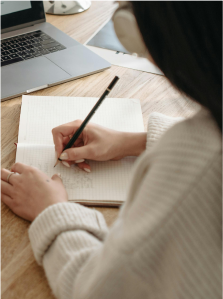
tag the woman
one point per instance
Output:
(166, 242)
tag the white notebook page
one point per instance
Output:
(39, 115)
(109, 181)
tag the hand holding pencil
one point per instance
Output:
(89, 116)
(94, 142)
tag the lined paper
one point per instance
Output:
(109, 181)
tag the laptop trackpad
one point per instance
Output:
(19, 77)
(78, 61)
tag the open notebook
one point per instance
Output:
(108, 182)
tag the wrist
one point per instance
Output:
(133, 144)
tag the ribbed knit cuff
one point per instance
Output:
(158, 124)
(62, 217)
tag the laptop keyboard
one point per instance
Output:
(27, 46)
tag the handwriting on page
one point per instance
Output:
(107, 181)
(78, 179)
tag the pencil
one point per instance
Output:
(89, 116)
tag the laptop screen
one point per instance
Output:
(17, 13)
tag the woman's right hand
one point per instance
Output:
(96, 143)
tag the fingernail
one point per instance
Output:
(65, 163)
(64, 156)
(59, 175)
(79, 161)
(87, 169)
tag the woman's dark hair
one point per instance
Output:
(184, 39)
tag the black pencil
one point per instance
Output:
(89, 116)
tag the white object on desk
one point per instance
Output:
(126, 60)
(119, 58)
(66, 7)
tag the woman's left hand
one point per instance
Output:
(30, 191)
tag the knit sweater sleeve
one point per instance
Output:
(68, 241)
(157, 125)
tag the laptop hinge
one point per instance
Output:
(21, 26)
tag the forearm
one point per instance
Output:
(63, 237)
(65, 259)
(78, 260)
(133, 144)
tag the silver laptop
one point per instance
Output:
(37, 55)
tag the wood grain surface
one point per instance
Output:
(22, 278)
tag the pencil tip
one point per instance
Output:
(56, 163)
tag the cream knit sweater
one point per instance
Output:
(166, 242)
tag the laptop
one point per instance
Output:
(37, 55)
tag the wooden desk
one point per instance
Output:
(22, 278)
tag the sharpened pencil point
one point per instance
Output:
(56, 163)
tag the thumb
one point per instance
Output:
(57, 178)
(77, 153)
